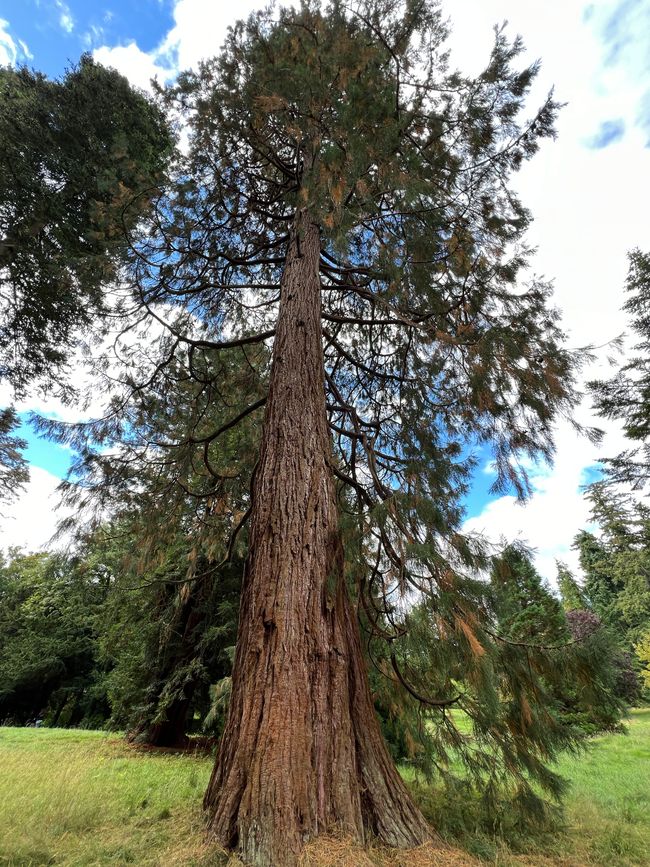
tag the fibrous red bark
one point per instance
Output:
(302, 752)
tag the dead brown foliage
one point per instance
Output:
(342, 852)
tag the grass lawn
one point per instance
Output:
(86, 798)
(608, 808)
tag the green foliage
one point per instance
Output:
(178, 496)
(49, 608)
(164, 645)
(642, 650)
(572, 594)
(526, 609)
(626, 397)
(14, 472)
(577, 674)
(617, 571)
(79, 159)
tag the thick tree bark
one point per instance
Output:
(302, 752)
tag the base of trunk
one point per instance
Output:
(310, 763)
(170, 732)
(337, 850)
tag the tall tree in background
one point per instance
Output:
(167, 634)
(616, 566)
(348, 196)
(626, 396)
(79, 162)
(571, 593)
(578, 679)
(14, 472)
(617, 563)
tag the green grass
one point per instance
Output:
(608, 808)
(86, 798)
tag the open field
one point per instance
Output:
(86, 798)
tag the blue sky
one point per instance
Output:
(588, 192)
(57, 32)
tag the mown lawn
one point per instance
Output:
(86, 798)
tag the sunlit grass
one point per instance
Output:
(85, 798)
(608, 808)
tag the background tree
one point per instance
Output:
(643, 653)
(616, 564)
(575, 655)
(49, 609)
(626, 397)
(79, 162)
(14, 472)
(164, 640)
(572, 595)
(175, 498)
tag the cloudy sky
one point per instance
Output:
(588, 191)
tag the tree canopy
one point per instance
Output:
(347, 196)
(79, 163)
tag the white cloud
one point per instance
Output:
(30, 522)
(138, 66)
(557, 509)
(200, 28)
(24, 50)
(11, 50)
(589, 209)
(66, 21)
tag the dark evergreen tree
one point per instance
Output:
(165, 639)
(617, 564)
(525, 607)
(572, 594)
(79, 161)
(14, 472)
(579, 677)
(177, 499)
(601, 586)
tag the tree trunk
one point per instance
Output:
(179, 646)
(302, 752)
(171, 731)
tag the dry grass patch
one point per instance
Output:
(342, 852)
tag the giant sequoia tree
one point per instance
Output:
(348, 196)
